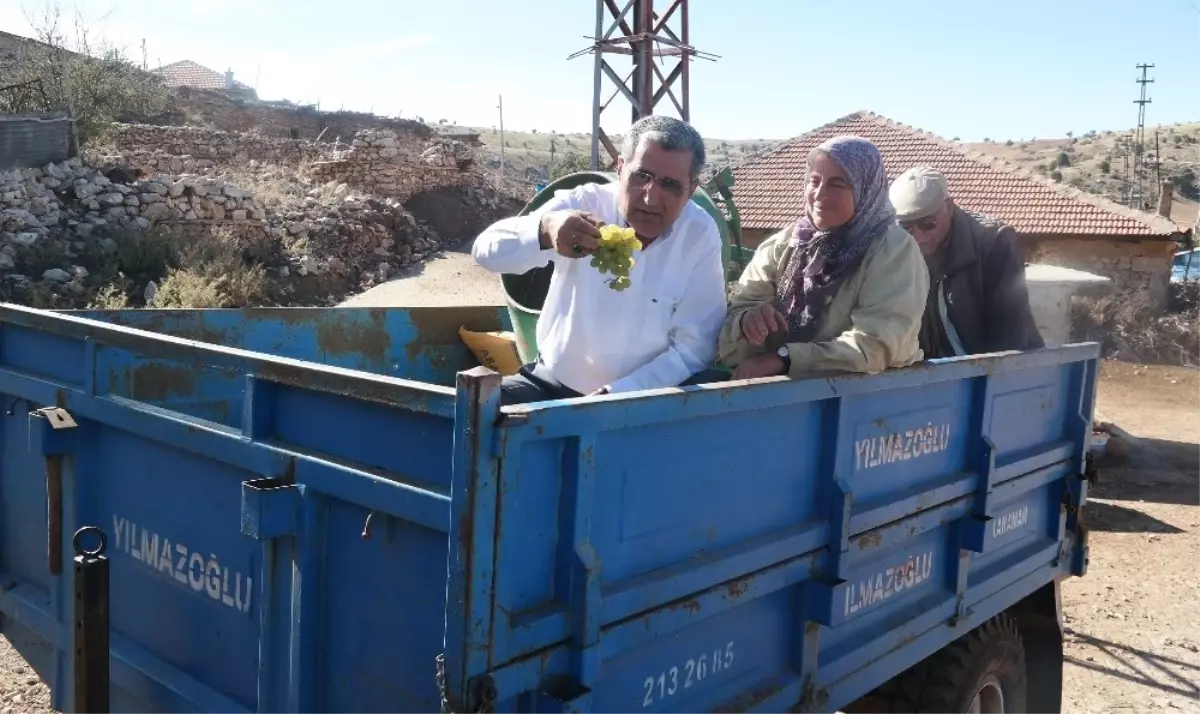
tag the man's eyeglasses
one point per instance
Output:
(924, 224)
(641, 177)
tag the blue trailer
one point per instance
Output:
(328, 510)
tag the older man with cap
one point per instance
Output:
(978, 301)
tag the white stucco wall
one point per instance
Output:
(1050, 291)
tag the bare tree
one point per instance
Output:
(91, 78)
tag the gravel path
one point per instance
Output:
(451, 278)
(21, 690)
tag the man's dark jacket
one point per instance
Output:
(983, 286)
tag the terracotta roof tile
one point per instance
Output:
(187, 73)
(768, 188)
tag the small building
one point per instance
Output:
(1057, 224)
(187, 74)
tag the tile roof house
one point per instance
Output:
(1057, 224)
(187, 73)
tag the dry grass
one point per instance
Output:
(109, 297)
(212, 273)
(528, 152)
(215, 270)
(1129, 329)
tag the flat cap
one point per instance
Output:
(918, 192)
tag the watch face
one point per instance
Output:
(782, 352)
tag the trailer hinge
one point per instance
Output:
(1090, 472)
(57, 417)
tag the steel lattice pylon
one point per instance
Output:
(645, 36)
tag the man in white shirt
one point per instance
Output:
(659, 332)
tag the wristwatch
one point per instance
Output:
(786, 357)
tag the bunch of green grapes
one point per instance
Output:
(615, 254)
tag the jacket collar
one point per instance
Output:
(960, 248)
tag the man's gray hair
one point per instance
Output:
(669, 133)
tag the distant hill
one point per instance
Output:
(1093, 162)
(1096, 162)
(528, 154)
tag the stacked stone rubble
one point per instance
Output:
(384, 163)
(351, 240)
(145, 140)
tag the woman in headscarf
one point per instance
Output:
(843, 289)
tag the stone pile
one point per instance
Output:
(157, 161)
(93, 199)
(209, 144)
(349, 235)
(384, 163)
(330, 232)
(448, 153)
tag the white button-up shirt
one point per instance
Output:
(657, 333)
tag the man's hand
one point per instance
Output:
(769, 365)
(572, 234)
(762, 320)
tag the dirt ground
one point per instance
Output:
(450, 278)
(1132, 623)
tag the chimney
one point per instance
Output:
(1164, 199)
(229, 79)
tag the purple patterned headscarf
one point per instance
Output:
(822, 259)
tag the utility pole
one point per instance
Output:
(501, 107)
(1139, 148)
(143, 54)
(1157, 165)
(647, 38)
(552, 155)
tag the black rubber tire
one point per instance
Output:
(948, 680)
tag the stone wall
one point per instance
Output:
(1131, 265)
(381, 162)
(279, 120)
(146, 146)
(57, 221)
(384, 163)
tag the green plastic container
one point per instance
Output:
(526, 293)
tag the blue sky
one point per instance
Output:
(966, 68)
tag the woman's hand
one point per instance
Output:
(768, 365)
(760, 321)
